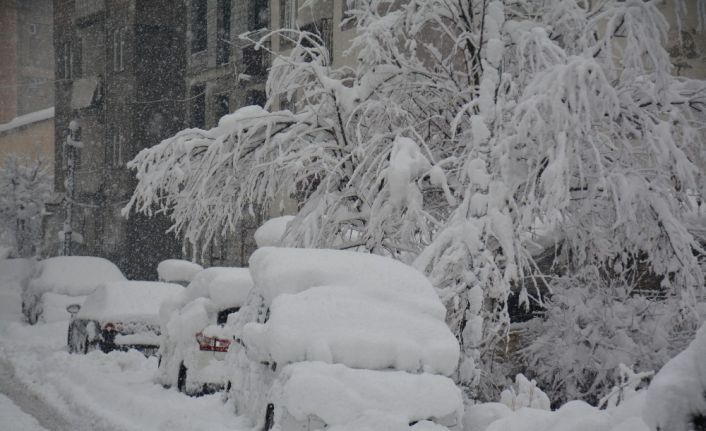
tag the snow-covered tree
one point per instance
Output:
(466, 127)
(25, 184)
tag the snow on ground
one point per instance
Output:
(14, 419)
(112, 392)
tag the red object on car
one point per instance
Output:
(212, 344)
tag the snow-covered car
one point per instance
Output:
(120, 316)
(195, 336)
(60, 281)
(342, 340)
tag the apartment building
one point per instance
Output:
(120, 79)
(131, 73)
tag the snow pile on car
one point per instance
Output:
(73, 275)
(271, 232)
(278, 271)
(345, 337)
(676, 396)
(128, 301)
(173, 270)
(341, 396)
(339, 324)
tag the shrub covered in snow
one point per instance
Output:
(25, 185)
(592, 325)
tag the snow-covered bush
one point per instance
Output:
(593, 328)
(25, 184)
(463, 126)
(524, 393)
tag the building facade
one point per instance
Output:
(131, 73)
(120, 79)
(26, 79)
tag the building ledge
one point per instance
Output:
(27, 119)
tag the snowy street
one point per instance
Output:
(113, 392)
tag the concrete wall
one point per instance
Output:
(35, 140)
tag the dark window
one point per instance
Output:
(198, 106)
(222, 106)
(198, 25)
(348, 22)
(223, 44)
(287, 19)
(324, 29)
(259, 16)
(256, 97)
(76, 59)
(255, 60)
(119, 37)
(222, 318)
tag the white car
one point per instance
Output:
(119, 316)
(195, 337)
(342, 340)
(60, 281)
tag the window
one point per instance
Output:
(255, 60)
(222, 106)
(287, 19)
(348, 22)
(77, 59)
(324, 29)
(288, 14)
(198, 106)
(117, 150)
(259, 16)
(66, 59)
(119, 36)
(223, 33)
(32, 29)
(198, 25)
(256, 97)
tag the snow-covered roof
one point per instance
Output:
(128, 301)
(27, 119)
(178, 270)
(342, 396)
(271, 232)
(340, 324)
(277, 271)
(73, 275)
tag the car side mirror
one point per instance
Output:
(73, 309)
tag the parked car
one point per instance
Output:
(195, 337)
(119, 316)
(333, 339)
(59, 281)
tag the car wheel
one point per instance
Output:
(181, 378)
(82, 345)
(71, 339)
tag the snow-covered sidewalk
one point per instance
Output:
(112, 392)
